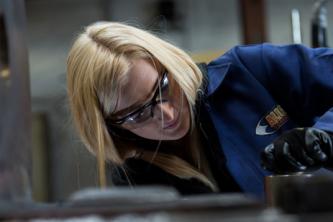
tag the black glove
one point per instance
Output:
(297, 150)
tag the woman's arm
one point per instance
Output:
(298, 77)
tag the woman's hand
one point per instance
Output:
(299, 149)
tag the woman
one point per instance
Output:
(144, 106)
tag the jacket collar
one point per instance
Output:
(214, 76)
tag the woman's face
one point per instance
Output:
(171, 116)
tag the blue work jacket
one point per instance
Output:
(257, 92)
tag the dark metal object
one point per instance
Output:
(275, 185)
(15, 110)
(303, 193)
(319, 25)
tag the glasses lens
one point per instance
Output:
(138, 119)
(163, 91)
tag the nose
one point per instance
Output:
(165, 111)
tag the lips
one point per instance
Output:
(172, 124)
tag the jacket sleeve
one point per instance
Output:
(298, 77)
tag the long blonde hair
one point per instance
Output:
(99, 59)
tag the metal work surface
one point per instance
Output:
(231, 204)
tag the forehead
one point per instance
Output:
(138, 85)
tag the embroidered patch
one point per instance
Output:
(272, 121)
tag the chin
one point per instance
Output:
(180, 134)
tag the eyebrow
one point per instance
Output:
(137, 105)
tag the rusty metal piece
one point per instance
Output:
(253, 20)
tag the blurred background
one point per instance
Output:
(205, 29)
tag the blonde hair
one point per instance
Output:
(99, 59)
